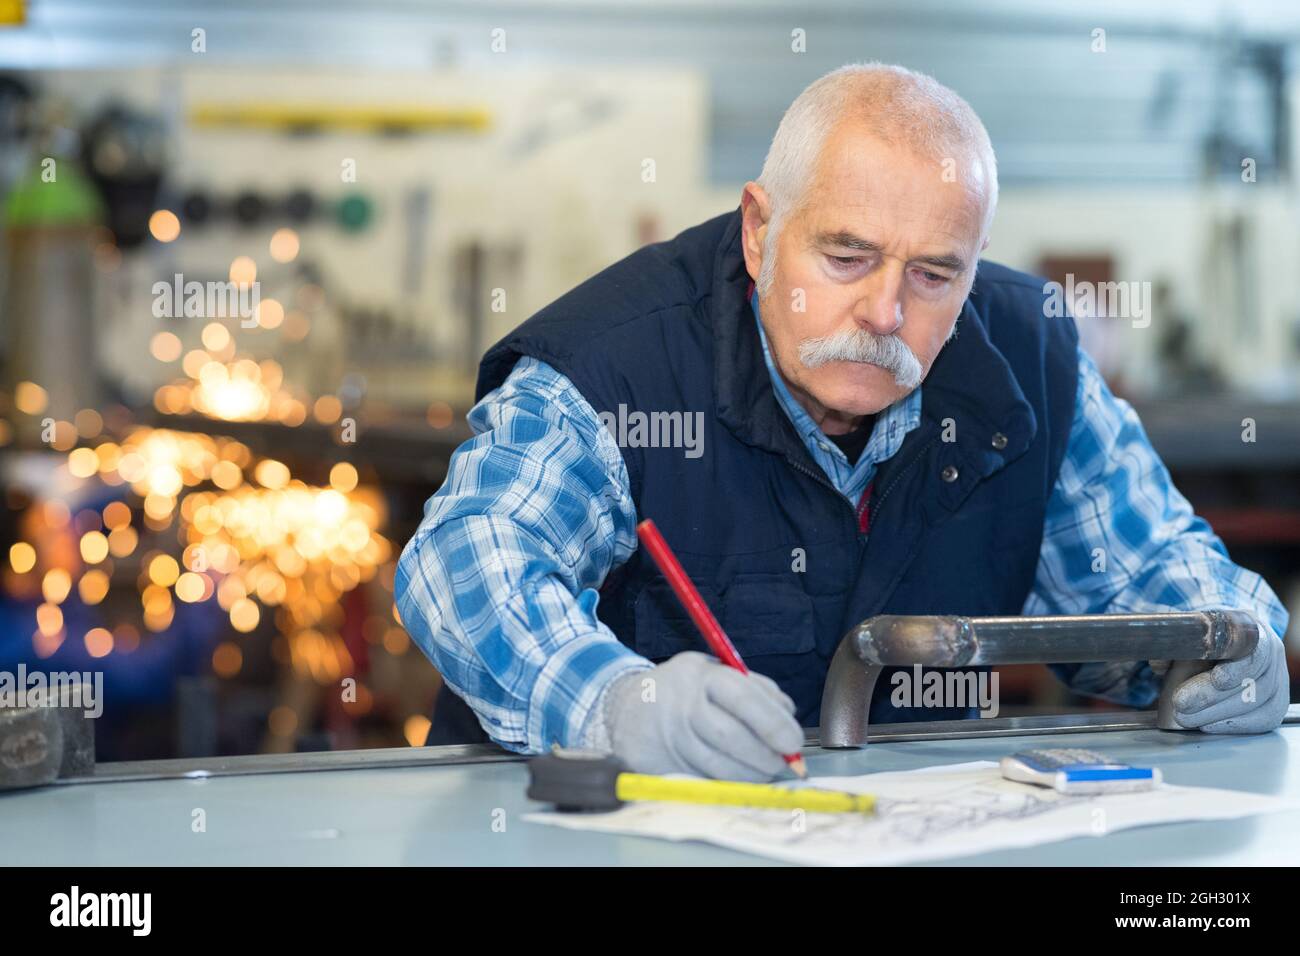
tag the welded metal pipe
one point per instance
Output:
(1193, 640)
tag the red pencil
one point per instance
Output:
(713, 633)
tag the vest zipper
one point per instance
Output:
(875, 505)
(877, 501)
(823, 480)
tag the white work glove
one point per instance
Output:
(693, 714)
(1249, 696)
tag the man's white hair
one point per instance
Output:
(896, 104)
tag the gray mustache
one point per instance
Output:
(858, 345)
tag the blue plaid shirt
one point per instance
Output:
(498, 585)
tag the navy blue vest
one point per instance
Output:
(773, 547)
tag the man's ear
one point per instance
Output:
(755, 215)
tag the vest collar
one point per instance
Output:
(972, 388)
(970, 394)
(742, 390)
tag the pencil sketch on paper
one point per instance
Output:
(946, 805)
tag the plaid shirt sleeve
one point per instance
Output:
(498, 584)
(1119, 538)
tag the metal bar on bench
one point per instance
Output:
(1193, 640)
(379, 758)
(396, 757)
(402, 757)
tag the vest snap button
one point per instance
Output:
(999, 441)
(949, 474)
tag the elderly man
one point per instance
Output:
(862, 422)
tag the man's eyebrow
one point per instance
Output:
(951, 262)
(847, 240)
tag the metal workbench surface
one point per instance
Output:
(462, 813)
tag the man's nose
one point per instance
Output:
(880, 309)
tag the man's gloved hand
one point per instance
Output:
(701, 717)
(1249, 696)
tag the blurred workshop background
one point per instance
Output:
(252, 251)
